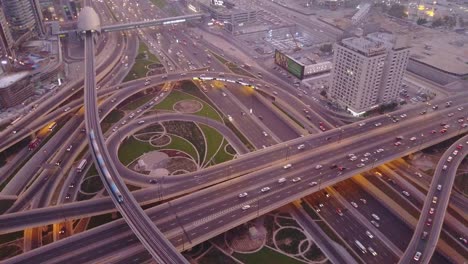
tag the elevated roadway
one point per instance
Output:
(153, 240)
(429, 227)
(218, 208)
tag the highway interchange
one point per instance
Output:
(203, 223)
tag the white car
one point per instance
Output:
(372, 251)
(318, 167)
(287, 166)
(354, 204)
(265, 133)
(265, 189)
(230, 118)
(302, 146)
(313, 183)
(413, 139)
(367, 154)
(281, 180)
(353, 158)
(375, 223)
(362, 124)
(439, 187)
(377, 124)
(417, 256)
(296, 179)
(245, 207)
(380, 150)
(406, 193)
(244, 194)
(369, 234)
(360, 165)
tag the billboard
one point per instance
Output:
(289, 64)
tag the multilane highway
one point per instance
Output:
(427, 231)
(201, 221)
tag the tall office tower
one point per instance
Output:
(6, 43)
(22, 16)
(368, 71)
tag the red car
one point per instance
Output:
(443, 131)
(429, 221)
(341, 168)
(460, 146)
(338, 211)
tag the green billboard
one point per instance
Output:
(289, 64)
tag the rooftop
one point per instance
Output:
(9, 79)
(367, 46)
(88, 19)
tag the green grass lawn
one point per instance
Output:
(266, 255)
(131, 149)
(113, 117)
(139, 69)
(222, 156)
(213, 139)
(138, 102)
(179, 143)
(159, 3)
(176, 96)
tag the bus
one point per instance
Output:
(360, 246)
(81, 166)
(52, 126)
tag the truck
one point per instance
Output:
(81, 165)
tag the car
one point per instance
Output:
(360, 165)
(71, 185)
(265, 133)
(141, 122)
(113, 100)
(281, 180)
(399, 138)
(244, 194)
(287, 166)
(375, 223)
(378, 174)
(431, 211)
(114, 129)
(380, 150)
(301, 146)
(439, 187)
(354, 204)
(444, 167)
(433, 131)
(321, 205)
(372, 251)
(413, 138)
(449, 159)
(296, 179)
(318, 167)
(460, 146)
(14, 132)
(376, 217)
(442, 131)
(397, 143)
(353, 158)
(417, 256)
(422, 112)
(367, 154)
(67, 109)
(418, 174)
(340, 168)
(69, 148)
(62, 230)
(224, 94)
(369, 234)
(429, 222)
(364, 201)
(265, 189)
(313, 183)
(338, 211)
(153, 181)
(406, 193)
(434, 199)
(230, 118)
(424, 235)
(377, 124)
(435, 107)
(464, 240)
(326, 194)
(450, 115)
(245, 207)
(460, 120)
(58, 162)
(67, 196)
(362, 124)
(317, 209)
(455, 152)
(460, 108)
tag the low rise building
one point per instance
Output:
(15, 88)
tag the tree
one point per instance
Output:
(326, 48)
(421, 21)
(398, 11)
(437, 23)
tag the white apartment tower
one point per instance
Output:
(368, 71)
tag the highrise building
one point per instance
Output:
(368, 71)
(6, 40)
(24, 16)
